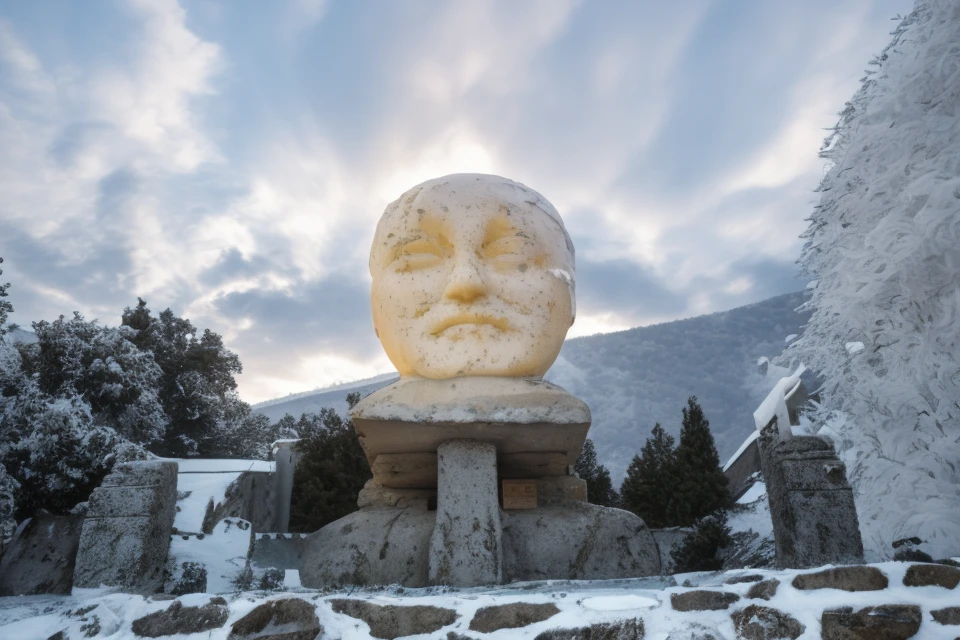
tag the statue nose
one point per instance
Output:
(466, 283)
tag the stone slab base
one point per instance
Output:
(575, 541)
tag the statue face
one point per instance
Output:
(472, 275)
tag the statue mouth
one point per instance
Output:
(468, 320)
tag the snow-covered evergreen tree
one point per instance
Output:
(648, 489)
(6, 307)
(883, 248)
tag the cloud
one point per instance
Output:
(232, 164)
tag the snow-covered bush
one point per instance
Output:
(883, 246)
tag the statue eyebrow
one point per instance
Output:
(430, 229)
(499, 227)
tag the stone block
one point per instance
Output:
(843, 578)
(125, 502)
(764, 590)
(374, 495)
(406, 470)
(370, 547)
(927, 575)
(284, 619)
(532, 465)
(764, 623)
(559, 489)
(519, 494)
(577, 541)
(702, 600)
(178, 619)
(511, 616)
(126, 534)
(41, 558)
(389, 621)
(517, 415)
(947, 615)
(619, 630)
(885, 622)
(466, 548)
(811, 504)
(144, 473)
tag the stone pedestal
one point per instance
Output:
(811, 503)
(126, 534)
(466, 548)
(446, 445)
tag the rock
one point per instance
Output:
(702, 600)
(41, 557)
(535, 465)
(126, 535)
(286, 619)
(693, 631)
(376, 495)
(853, 578)
(389, 621)
(926, 575)
(560, 489)
(811, 503)
(466, 547)
(406, 470)
(669, 540)
(886, 622)
(369, 547)
(764, 623)
(577, 541)
(948, 615)
(511, 616)
(754, 577)
(620, 630)
(764, 590)
(180, 619)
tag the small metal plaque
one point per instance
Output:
(519, 494)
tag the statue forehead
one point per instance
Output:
(468, 196)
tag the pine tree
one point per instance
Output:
(699, 551)
(648, 489)
(197, 388)
(882, 253)
(600, 489)
(330, 472)
(701, 487)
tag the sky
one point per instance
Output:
(230, 159)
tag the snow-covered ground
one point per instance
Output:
(580, 604)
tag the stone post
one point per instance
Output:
(126, 534)
(466, 548)
(811, 504)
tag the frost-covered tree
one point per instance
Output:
(103, 367)
(648, 489)
(883, 250)
(599, 485)
(6, 307)
(701, 488)
(197, 387)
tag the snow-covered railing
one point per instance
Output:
(775, 404)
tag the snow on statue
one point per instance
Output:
(472, 276)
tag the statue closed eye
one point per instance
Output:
(473, 275)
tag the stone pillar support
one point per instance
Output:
(466, 548)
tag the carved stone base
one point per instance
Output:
(563, 540)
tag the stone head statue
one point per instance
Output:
(473, 275)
